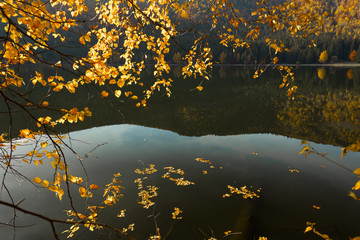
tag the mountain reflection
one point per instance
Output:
(232, 102)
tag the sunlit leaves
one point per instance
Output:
(76, 180)
(112, 191)
(45, 121)
(84, 192)
(111, 60)
(54, 186)
(73, 115)
(26, 133)
(84, 39)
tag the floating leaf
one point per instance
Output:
(306, 148)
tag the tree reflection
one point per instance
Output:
(333, 116)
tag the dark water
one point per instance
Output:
(249, 130)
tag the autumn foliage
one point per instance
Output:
(117, 40)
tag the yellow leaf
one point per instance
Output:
(200, 88)
(45, 183)
(45, 103)
(309, 228)
(76, 180)
(117, 93)
(60, 193)
(53, 188)
(37, 180)
(94, 186)
(306, 148)
(82, 40)
(121, 83)
(353, 195)
(44, 144)
(357, 171)
(82, 191)
(104, 94)
(54, 164)
(357, 186)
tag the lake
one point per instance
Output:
(238, 131)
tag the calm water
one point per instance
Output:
(249, 131)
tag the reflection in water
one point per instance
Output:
(329, 118)
(228, 119)
(232, 102)
(286, 197)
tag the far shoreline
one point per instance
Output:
(345, 65)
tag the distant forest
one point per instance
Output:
(338, 49)
(302, 50)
